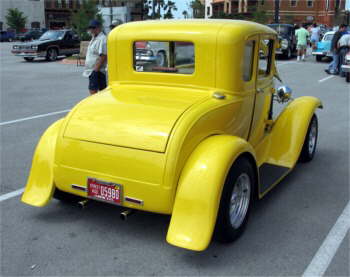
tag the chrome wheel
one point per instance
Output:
(52, 55)
(312, 137)
(240, 199)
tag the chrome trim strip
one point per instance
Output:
(133, 200)
(77, 187)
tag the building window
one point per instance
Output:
(262, 2)
(63, 4)
(70, 4)
(293, 3)
(227, 8)
(309, 3)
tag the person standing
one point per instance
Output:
(333, 67)
(302, 35)
(344, 47)
(96, 58)
(315, 35)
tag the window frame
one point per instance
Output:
(269, 57)
(251, 69)
(309, 1)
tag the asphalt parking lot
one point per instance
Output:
(294, 228)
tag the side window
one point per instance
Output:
(248, 60)
(265, 57)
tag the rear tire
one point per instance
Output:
(236, 201)
(161, 59)
(310, 143)
(66, 197)
(318, 58)
(29, 59)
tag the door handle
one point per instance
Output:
(260, 90)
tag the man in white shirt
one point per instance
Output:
(96, 58)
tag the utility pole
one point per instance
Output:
(277, 11)
(110, 12)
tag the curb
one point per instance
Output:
(73, 62)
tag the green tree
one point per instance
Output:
(15, 19)
(198, 9)
(157, 9)
(260, 17)
(80, 20)
(170, 6)
(185, 14)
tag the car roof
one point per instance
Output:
(192, 26)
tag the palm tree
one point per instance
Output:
(185, 14)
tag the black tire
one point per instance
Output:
(319, 58)
(66, 197)
(347, 77)
(309, 148)
(29, 59)
(51, 54)
(225, 231)
(161, 59)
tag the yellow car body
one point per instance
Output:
(170, 139)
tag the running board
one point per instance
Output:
(270, 174)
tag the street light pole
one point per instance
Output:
(277, 11)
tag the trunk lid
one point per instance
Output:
(131, 116)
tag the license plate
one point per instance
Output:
(104, 191)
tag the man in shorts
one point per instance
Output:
(96, 58)
(302, 35)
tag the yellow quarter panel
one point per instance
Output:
(199, 191)
(40, 186)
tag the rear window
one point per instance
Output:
(176, 57)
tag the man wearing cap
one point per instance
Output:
(96, 58)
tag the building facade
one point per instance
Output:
(58, 13)
(233, 7)
(32, 9)
(327, 12)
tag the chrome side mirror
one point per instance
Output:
(284, 94)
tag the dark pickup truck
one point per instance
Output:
(50, 45)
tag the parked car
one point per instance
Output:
(7, 36)
(199, 141)
(323, 48)
(288, 43)
(346, 67)
(30, 35)
(50, 45)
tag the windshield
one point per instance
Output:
(52, 35)
(328, 37)
(280, 29)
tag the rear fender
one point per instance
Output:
(199, 190)
(40, 186)
(289, 131)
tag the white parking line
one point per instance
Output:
(11, 194)
(330, 245)
(325, 79)
(31, 117)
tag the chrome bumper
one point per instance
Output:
(345, 67)
(29, 54)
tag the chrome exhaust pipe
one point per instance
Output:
(124, 215)
(82, 204)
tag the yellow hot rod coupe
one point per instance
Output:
(192, 136)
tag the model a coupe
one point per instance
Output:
(50, 45)
(197, 141)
